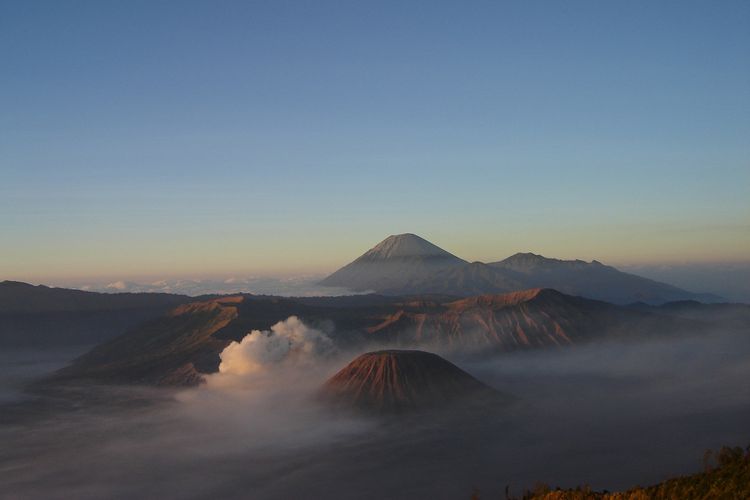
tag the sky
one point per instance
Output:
(157, 138)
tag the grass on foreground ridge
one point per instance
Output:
(726, 475)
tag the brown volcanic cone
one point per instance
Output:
(393, 381)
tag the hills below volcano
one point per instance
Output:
(408, 264)
(182, 346)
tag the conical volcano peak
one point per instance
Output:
(401, 380)
(393, 264)
(405, 246)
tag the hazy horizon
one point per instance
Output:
(729, 280)
(208, 271)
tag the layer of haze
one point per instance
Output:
(168, 138)
(611, 414)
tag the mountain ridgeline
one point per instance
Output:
(42, 317)
(182, 346)
(407, 264)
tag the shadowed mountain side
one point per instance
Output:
(171, 350)
(393, 264)
(464, 280)
(22, 298)
(591, 279)
(398, 381)
(40, 317)
(520, 320)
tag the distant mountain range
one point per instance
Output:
(407, 264)
(22, 298)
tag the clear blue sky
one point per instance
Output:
(160, 138)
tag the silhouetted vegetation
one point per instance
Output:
(726, 475)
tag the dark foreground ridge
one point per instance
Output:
(397, 381)
(726, 475)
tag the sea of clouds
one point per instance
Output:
(611, 414)
(295, 286)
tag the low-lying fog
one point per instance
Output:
(611, 415)
(18, 367)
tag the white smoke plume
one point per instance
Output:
(263, 396)
(288, 342)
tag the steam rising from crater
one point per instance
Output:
(287, 342)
